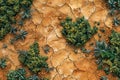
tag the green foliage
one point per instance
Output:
(22, 34)
(32, 59)
(103, 78)
(77, 33)
(4, 46)
(46, 48)
(114, 6)
(34, 77)
(3, 63)
(20, 73)
(108, 55)
(116, 21)
(115, 39)
(9, 9)
(84, 50)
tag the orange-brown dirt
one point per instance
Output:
(44, 27)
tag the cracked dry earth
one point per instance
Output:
(44, 27)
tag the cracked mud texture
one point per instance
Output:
(44, 27)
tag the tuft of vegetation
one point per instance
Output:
(46, 48)
(77, 33)
(22, 34)
(32, 59)
(116, 21)
(9, 9)
(34, 77)
(103, 78)
(4, 46)
(108, 55)
(114, 6)
(20, 74)
(3, 63)
(84, 50)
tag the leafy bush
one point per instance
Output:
(9, 9)
(32, 59)
(77, 33)
(3, 63)
(108, 55)
(20, 73)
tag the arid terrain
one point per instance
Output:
(44, 27)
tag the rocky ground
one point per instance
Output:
(44, 27)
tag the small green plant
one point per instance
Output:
(20, 74)
(108, 54)
(84, 50)
(114, 6)
(46, 48)
(3, 62)
(13, 30)
(4, 46)
(34, 77)
(32, 59)
(77, 33)
(9, 9)
(103, 78)
(22, 34)
(116, 21)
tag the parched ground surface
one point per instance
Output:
(44, 27)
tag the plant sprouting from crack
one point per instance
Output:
(77, 33)
(33, 60)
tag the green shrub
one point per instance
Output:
(20, 74)
(22, 34)
(77, 33)
(34, 77)
(103, 78)
(9, 9)
(114, 6)
(32, 59)
(3, 63)
(46, 48)
(108, 55)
